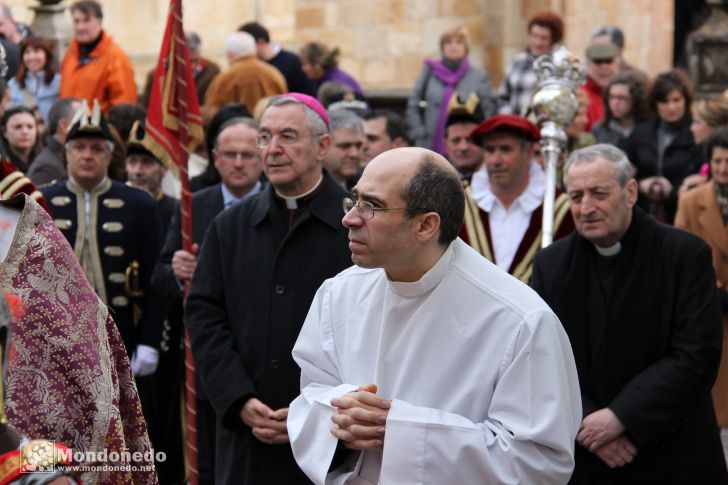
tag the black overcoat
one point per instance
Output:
(682, 158)
(647, 344)
(257, 272)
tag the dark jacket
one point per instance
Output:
(50, 165)
(681, 159)
(257, 272)
(645, 328)
(206, 204)
(127, 228)
(290, 66)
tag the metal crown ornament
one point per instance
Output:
(559, 75)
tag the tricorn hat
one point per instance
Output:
(135, 143)
(467, 111)
(85, 124)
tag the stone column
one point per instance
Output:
(708, 51)
(51, 22)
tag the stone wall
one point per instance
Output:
(383, 42)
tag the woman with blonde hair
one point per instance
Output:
(439, 81)
(708, 114)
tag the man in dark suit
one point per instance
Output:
(258, 269)
(237, 159)
(638, 301)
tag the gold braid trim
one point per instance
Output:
(525, 268)
(10, 179)
(474, 226)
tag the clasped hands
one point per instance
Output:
(361, 418)
(602, 433)
(267, 425)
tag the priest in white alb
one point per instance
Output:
(425, 363)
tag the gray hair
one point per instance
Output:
(239, 44)
(344, 119)
(618, 159)
(193, 41)
(314, 122)
(615, 34)
(7, 13)
(64, 108)
(237, 120)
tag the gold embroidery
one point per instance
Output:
(474, 226)
(121, 301)
(113, 203)
(112, 226)
(9, 180)
(63, 224)
(61, 200)
(116, 277)
(114, 251)
(524, 269)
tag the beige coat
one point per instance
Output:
(698, 213)
(246, 81)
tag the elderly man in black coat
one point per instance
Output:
(258, 269)
(638, 300)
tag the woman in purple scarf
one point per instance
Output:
(438, 82)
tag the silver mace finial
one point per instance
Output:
(555, 106)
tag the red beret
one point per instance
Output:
(511, 124)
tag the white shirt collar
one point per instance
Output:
(429, 280)
(228, 198)
(528, 201)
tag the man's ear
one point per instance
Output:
(324, 143)
(63, 125)
(428, 227)
(632, 191)
(399, 142)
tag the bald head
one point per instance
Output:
(426, 180)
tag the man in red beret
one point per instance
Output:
(504, 202)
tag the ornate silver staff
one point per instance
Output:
(555, 106)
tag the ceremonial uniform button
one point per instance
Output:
(280, 289)
(275, 364)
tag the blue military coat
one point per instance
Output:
(119, 225)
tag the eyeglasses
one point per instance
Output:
(231, 155)
(617, 97)
(285, 138)
(366, 210)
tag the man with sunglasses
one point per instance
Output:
(257, 272)
(425, 363)
(602, 65)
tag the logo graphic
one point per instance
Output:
(38, 456)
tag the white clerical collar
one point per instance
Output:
(429, 280)
(292, 202)
(610, 251)
(528, 201)
(228, 198)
